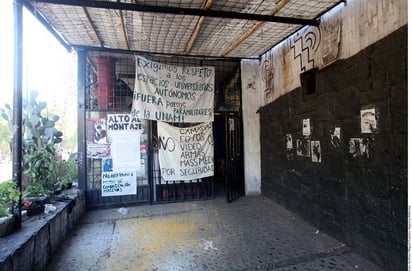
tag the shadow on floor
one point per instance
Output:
(251, 233)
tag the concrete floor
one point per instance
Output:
(251, 233)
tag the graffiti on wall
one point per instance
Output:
(251, 84)
(368, 20)
(268, 78)
(286, 68)
(331, 36)
(305, 46)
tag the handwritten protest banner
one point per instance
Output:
(185, 153)
(124, 131)
(173, 93)
(118, 183)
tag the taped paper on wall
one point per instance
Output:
(368, 121)
(316, 151)
(306, 127)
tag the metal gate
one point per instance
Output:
(234, 166)
(107, 80)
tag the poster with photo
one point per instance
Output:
(98, 150)
(100, 134)
(316, 151)
(335, 137)
(107, 164)
(306, 127)
(303, 147)
(368, 121)
(289, 142)
(360, 147)
(98, 144)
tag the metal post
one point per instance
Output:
(81, 134)
(17, 104)
(150, 152)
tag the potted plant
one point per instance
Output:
(65, 172)
(8, 196)
(39, 153)
(40, 163)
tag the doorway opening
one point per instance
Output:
(229, 171)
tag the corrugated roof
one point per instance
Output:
(215, 28)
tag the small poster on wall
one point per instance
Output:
(98, 143)
(335, 138)
(289, 142)
(306, 127)
(360, 147)
(118, 183)
(107, 164)
(100, 134)
(303, 147)
(316, 151)
(368, 121)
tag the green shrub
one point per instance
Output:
(65, 172)
(8, 195)
(40, 163)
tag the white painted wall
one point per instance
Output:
(343, 32)
(364, 22)
(252, 96)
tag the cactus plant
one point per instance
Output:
(39, 139)
(39, 130)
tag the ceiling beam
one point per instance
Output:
(89, 19)
(181, 11)
(124, 51)
(254, 28)
(124, 30)
(196, 31)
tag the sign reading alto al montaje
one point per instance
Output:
(185, 153)
(173, 93)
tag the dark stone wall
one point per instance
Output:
(359, 198)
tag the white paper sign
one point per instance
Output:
(306, 127)
(173, 93)
(124, 131)
(118, 183)
(186, 153)
(125, 151)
